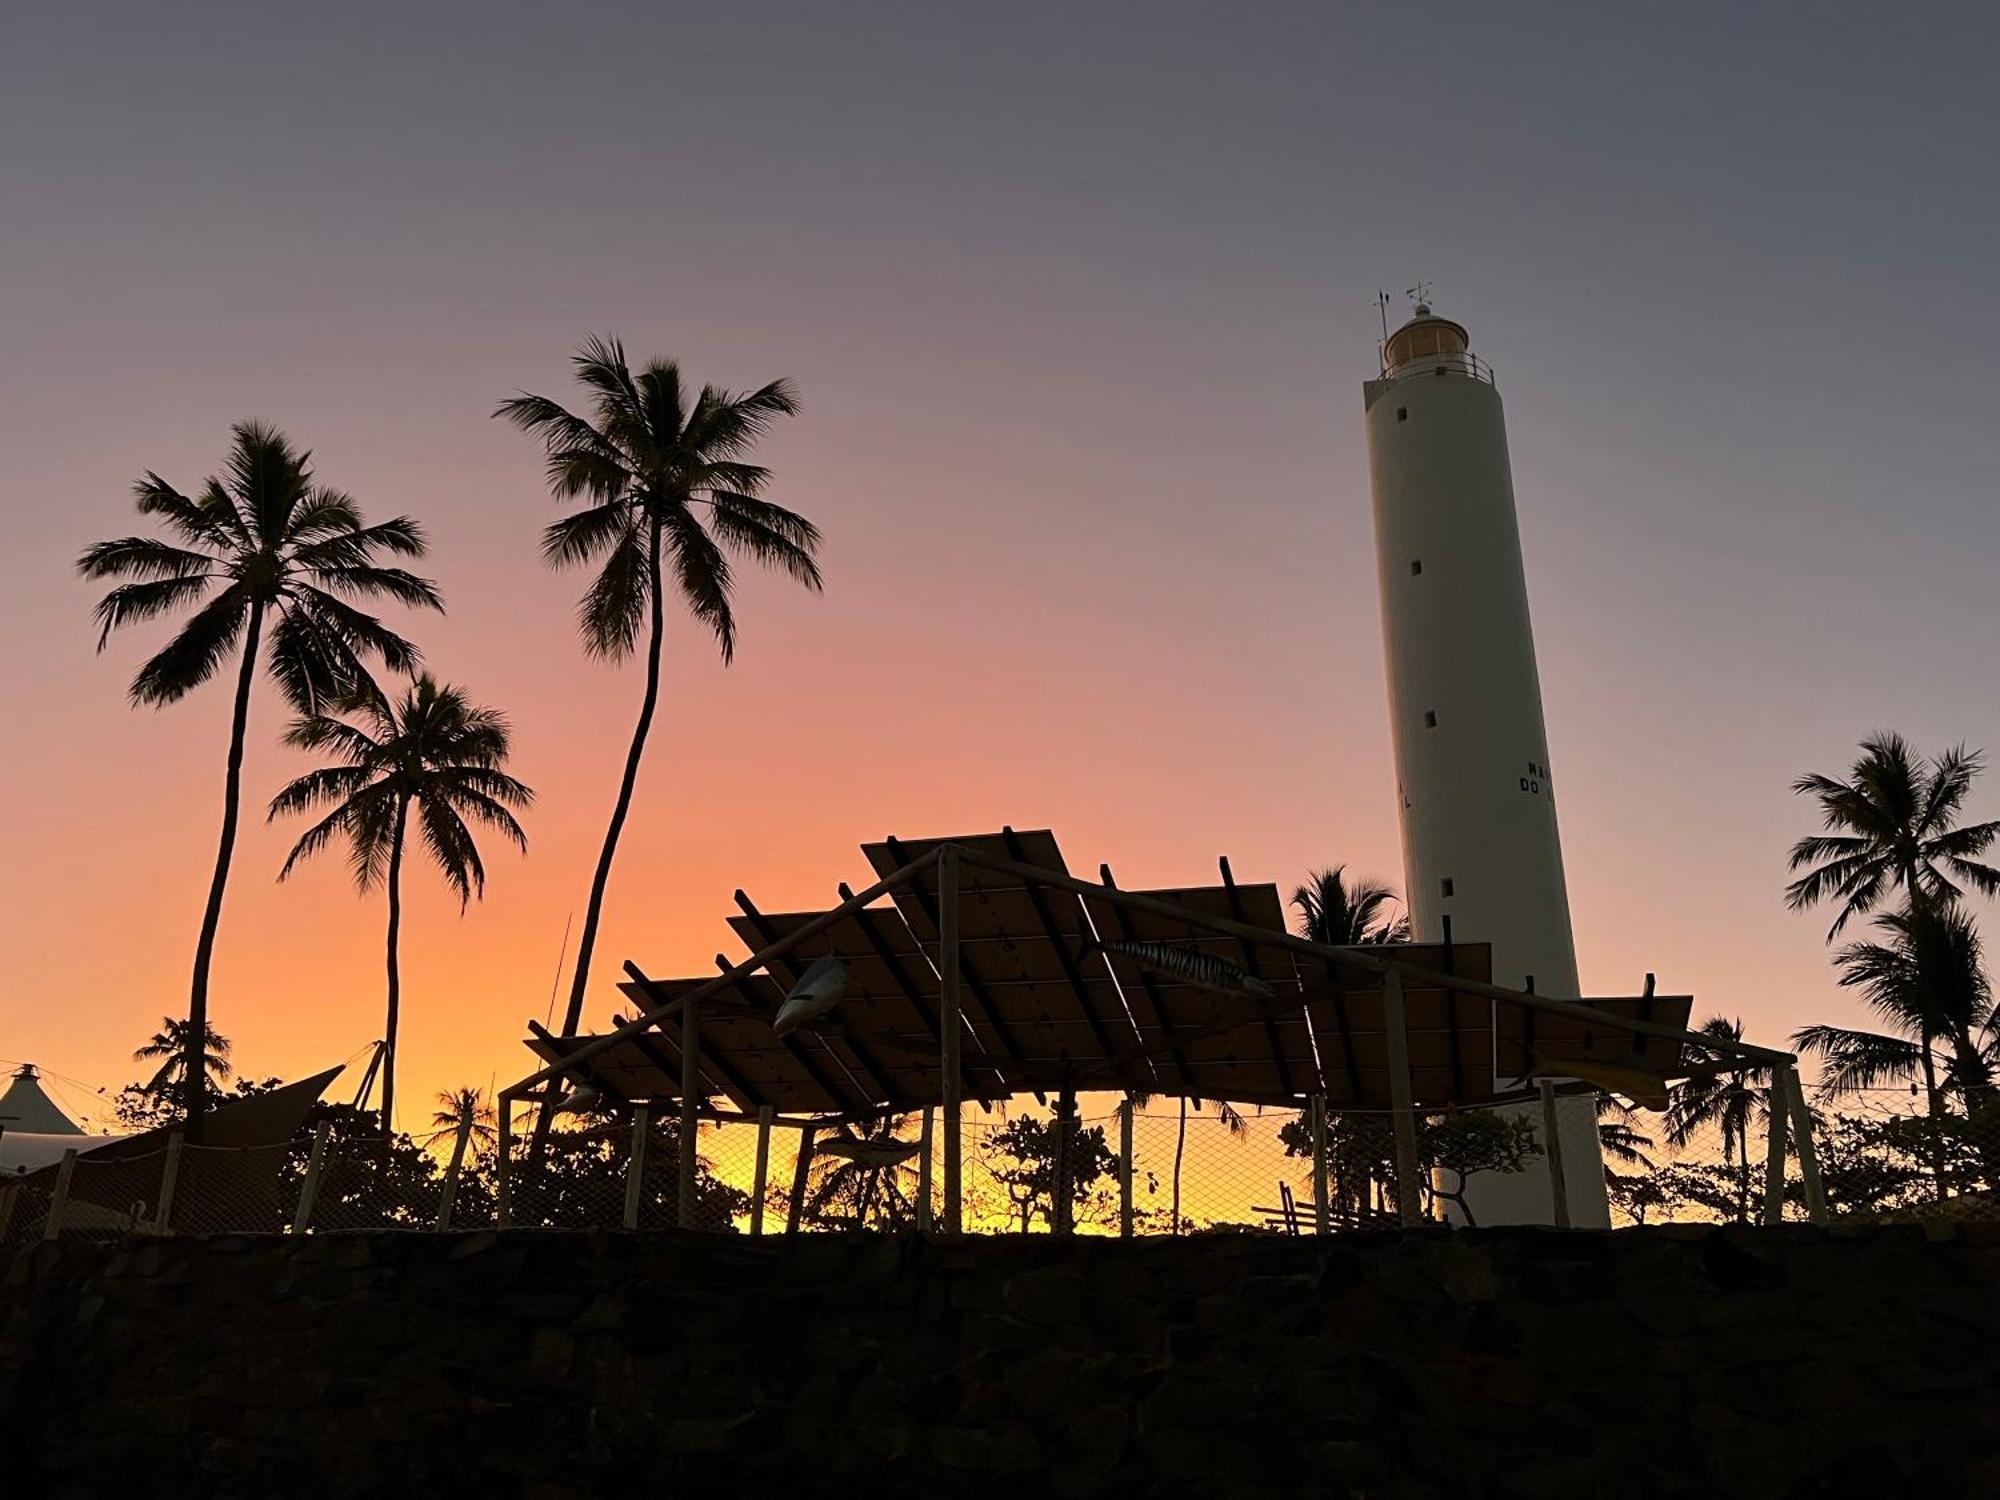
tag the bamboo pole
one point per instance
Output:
(449, 1196)
(309, 1189)
(795, 1210)
(635, 1167)
(59, 1198)
(1552, 1144)
(1395, 1023)
(690, 1102)
(762, 1182)
(1125, 1168)
(1322, 1190)
(1808, 1154)
(1777, 1104)
(503, 1163)
(949, 1026)
(925, 1144)
(170, 1177)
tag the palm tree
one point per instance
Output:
(456, 1106)
(1232, 1121)
(669, 486)
(1729, 1102)
(1348, 915)
(169, 1046)
(432, 753)
(1892, 823)
(262, 543)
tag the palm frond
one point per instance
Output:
(704, 577)
(194, 654)
(144, 557)
(614, 606)
(768, 533)
(580, 537)
(130, 603)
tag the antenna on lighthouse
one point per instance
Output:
(1420, 295)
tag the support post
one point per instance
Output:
(503, 1164)
(635, 1164)
(10, 1195)
(795, 1210)
(925, 1143)
(59, 1199)
(1808, 1155)
(949, 1026)
(1125, 1168)
(309, 1189)
(1059, 1204)
(1777, 1104)
(449, 1194)
(1322, 1190)
(170, 1176)
(690, 1102)
(1395, 1023)
(762, 1182)
(1552, 1144)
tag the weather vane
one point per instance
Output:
(1420, 294)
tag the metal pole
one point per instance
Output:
(635, 1169)
(948, 1021)
(1552, 1143)
(1125, 1169)
(1060, 1205)
(450, 1194)
(690, 1101)
(503, 1165)
(762, 1181)
(1808, 1155)
(795, 1210)
(309, 1189)
(170, 1176)
(1777, 1102)
(1395, 1023)
(926, 1141)
(59, 1199)
(1322, 1191)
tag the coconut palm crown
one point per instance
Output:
(1346, 914)
(431, 754)
(671, 499)
(1892, 824)
(262, 547)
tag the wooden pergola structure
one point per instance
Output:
(980, 968)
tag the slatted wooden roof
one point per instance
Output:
(1046, 1004)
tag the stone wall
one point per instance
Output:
(1674, 1361)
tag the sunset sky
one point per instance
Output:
(1080, 300)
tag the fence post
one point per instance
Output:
(1808, 1155)
(948, 1023)
(1125, 1168)
(309, 1189)
(170, 1177)
(59, 1199)
(9, 1196)
(503, 1164)
(796, 1208)
(1059, 1206)
(635, 1169)
(763, 1180)
(1552, 1143)
(450, 1194)
(1395, 1024)
(690, 1102)
(1776, 1104)
(925, 1139)
(1322, 1190)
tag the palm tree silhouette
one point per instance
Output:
(1728, 1102)
(1346, 915)
(432, 753)
(455, 1106)
(261, 542)
(1892, 823)
(669, 486)
(169, 1047)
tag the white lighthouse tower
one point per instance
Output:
(1473, 769)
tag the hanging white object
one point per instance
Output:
(1190, 965)
(869, 1153)
(819, 990)
(584, 1096)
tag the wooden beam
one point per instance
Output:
(1777, 1106)
(1552, 1144)
(1395, 1024)
(1322, 1194)
(795, 1210)
(762, 1181)
(1125, 1168)
(690, 1102)
(635, 1166)
(877, 1082)
(948, 1020)
(1285, 1079)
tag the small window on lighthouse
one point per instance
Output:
(1430, 718)
(1402, 414)
(1416, 566)
(1446, 884)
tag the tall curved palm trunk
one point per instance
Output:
(194, 1097)
(389, 1022)
(587, 944)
